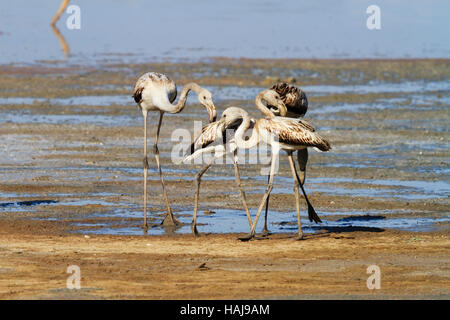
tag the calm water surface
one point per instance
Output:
(142, 31)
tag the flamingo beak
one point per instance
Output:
(212, 112)
(282, 108)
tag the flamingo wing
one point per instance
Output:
(210, 133)
(213, 132)
(294, 132)
(137, 93)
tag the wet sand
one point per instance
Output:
(216, 266)
(71, 165)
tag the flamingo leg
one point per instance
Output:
(198, 178)
(266, 231)
(275, 153)
(145, 170)
(297, 198)
(302, 158)
(239, 184)
(61, 9)
(312, 215)
(169, 219)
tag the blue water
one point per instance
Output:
(142, 31)
(224, 220)
(401, 189)
(235, 221)
(431, 92)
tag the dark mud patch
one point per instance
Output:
(27, 203)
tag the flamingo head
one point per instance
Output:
(205, 98)
(273, 99)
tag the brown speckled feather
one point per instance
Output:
(294, 132)
(210, 133)
(213, 132)
(293, 97)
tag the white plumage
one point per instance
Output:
(156, 92)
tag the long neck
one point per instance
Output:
(184, 94)
(239, 135)
(262, 107)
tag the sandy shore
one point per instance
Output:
(333, 265)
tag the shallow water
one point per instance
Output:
(224, 93)
(233, 221)
(221, 94)
(73, 101)
(392, 149)
(222, 220)
(141, 31)
(68, 119)
(411, 190)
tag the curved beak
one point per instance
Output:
(282, 108)
(211, 112)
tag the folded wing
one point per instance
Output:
(295, 132)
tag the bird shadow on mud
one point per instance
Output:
(324, 230)
(348, 228)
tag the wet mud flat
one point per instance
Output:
(217, 266)
(71, 166)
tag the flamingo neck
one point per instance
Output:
(239, 136)
(184, 95)
(260, 105)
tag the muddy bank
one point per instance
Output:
(333, 265)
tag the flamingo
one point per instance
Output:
(280, 133)
(61, 9)
(293, 97)
(296, 104)
(156, 92)
(216, 132)
(62, 41)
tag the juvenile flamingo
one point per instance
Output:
(216, 132)
(280, 133)
(156, 92)
(296, 104)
